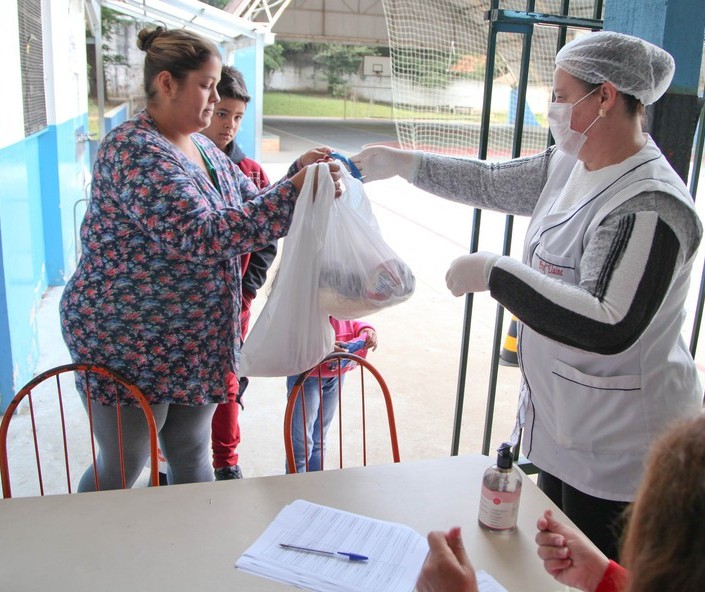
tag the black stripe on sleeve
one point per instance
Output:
(566, 326)
(619, 245)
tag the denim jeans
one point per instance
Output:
(315, 436)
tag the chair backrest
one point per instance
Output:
(51, 430)
(360, 400)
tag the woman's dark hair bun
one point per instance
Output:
(146, 37)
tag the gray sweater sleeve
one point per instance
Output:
(626, 268)
(511, 187)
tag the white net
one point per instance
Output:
(439, 54)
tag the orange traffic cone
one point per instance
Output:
(508, 355)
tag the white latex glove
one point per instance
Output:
(383, 162)
(470, 273)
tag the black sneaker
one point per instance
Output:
(227, 473)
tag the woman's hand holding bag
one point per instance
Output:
(334, 263)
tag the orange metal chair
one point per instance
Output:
(49, 430)
(373, 393)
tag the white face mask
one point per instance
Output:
(567, 139)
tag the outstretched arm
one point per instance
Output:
(512, 186)
(626, 271)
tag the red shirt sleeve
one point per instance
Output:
(249, 166)
(614, 580)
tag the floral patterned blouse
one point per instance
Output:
(156, 294)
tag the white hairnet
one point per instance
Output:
(635, 67)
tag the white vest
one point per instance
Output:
(589, 419)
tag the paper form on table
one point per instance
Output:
(396, 552)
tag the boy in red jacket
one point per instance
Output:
(224, 126)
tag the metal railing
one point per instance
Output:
(502, 21)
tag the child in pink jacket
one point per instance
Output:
(354, 336)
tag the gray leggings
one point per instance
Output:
(184, 437)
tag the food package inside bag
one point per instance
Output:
(360, 273)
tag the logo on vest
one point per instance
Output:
(550, 269)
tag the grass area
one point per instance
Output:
(310, 105)
(293, 104)
(316, 105)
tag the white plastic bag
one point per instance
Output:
(292, 334)
(360, 273)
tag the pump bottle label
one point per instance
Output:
(499, 510)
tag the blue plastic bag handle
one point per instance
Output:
(354, 171)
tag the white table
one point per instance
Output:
(188, 537)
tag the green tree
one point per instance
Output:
(426, 67)
(432, 68)
(274, 60)
(111, 23)
(275, 56)
(339, 62)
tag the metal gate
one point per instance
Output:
(520, 44)
(523, 25)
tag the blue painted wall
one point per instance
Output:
(662, 22)
(7, 385)
(24, 274)
(115, 117)
(245, 62)
(51, 228)
(42, 177)
(64, 170)
(111, 119)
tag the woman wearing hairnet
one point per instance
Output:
(604, 275)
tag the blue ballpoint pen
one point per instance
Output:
(350, 556)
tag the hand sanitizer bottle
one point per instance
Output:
(501, 490)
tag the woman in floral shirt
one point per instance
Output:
(156, 295)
